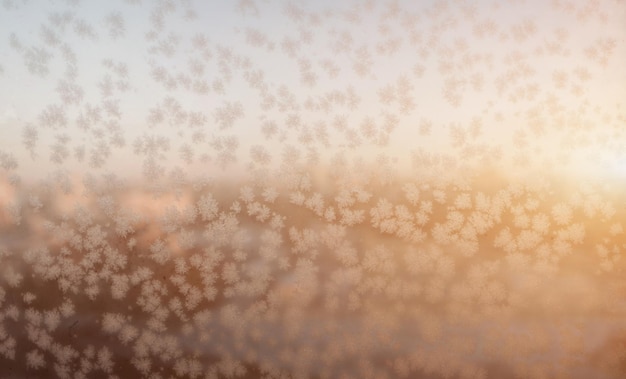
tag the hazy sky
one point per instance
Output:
(435, 46)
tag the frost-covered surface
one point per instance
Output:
(356, 278)
(312, 189)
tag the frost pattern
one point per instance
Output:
(281, 189)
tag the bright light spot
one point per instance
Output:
(620, 167)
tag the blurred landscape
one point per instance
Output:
(477, 276)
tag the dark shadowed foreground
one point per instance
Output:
(485, 277)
